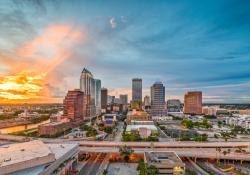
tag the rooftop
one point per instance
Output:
(20, 152)
(136, 127)
(162, 157)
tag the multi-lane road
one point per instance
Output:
(93, 164)
(183, 152)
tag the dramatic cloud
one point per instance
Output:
(24, 85)
(188, 45)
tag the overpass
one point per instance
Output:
(165, 144)
(203, 153)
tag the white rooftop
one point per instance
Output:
(137, 127)
(20, 152)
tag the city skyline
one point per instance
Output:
(191, 46)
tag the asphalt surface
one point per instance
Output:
(93, 164)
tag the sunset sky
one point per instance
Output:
(186, 44)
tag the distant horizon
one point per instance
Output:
(187, 45)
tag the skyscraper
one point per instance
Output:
(124, 99)
(158, 99)
(87, 85)
(73, 105)
(137, 89)
(98, 95)
(193, 102)
(104, 98)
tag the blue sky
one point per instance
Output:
(186, 44)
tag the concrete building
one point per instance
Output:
(147, 103)
(38, 158)
(53, 129)
(137, 116)
(174, 105)
(210, 110)
(104, 98)
(87, 85)
(193, 102)
(124, 99)
(143, 130)
(158, 99)
(239, 120)
(109, 119)
(111, 99)
(165, 162)
(98, 86)
(74, 105)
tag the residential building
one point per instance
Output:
(74, 105)
(165, 162)
(158, 99)
(38, 158)
(193, 102)
(174, 105)
(104, 98)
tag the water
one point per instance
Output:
(21, 127)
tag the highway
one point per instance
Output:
(173, 144)
(208, 153)
(93, 164)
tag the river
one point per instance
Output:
(21, 127)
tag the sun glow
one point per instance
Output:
(24, 85)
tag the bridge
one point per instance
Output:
(202, 153)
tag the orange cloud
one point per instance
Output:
(39, 56)
(21, 86)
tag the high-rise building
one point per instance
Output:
(158, 99)
(87, 85)
(124, 99)
(174, 105)
(137, 89)
(98, 95)
(146, 101)
(73, 105)
(193, 102)
(104, 98)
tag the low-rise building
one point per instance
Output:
(165, 162)
(210, 110)
(109, 119)
(53, 129)
(239, 120)
(38, 158)
(137, 116)
(162, 118)
(143, 130)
